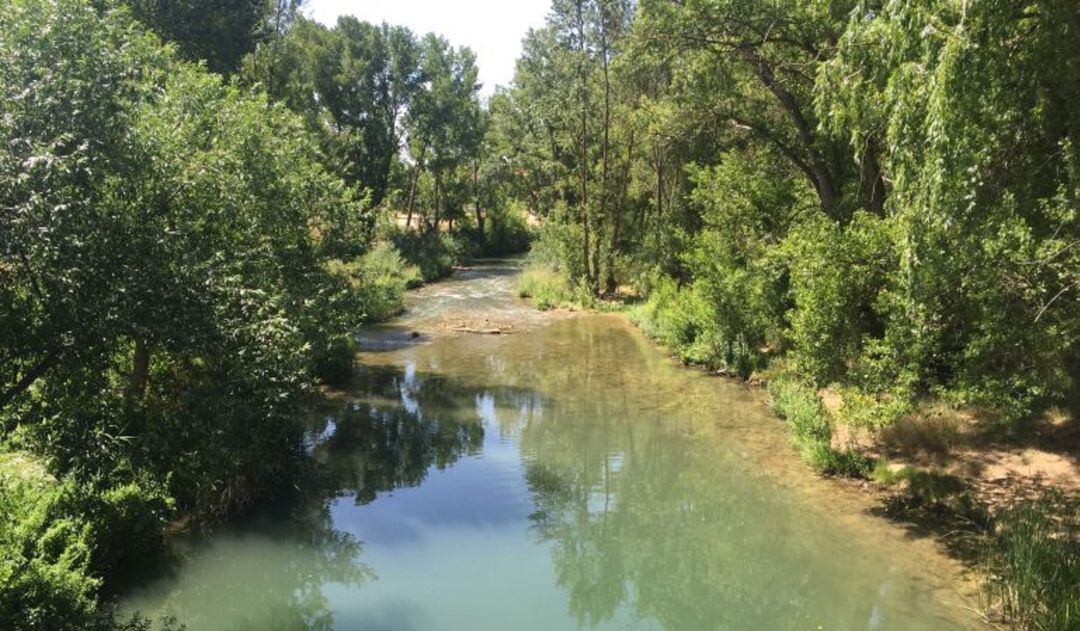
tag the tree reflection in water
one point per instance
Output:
(392, 437)
(641, 482)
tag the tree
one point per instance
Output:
(971, 113)
(444, 124)
(219, 32)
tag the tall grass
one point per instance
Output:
(547, 288)
(811, 429)
(1034, 564)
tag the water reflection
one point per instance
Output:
(569, 478)
(386, 441)
(268, 572)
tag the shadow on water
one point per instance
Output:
(392, 437)
(269, 570)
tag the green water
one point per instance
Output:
(565, 476)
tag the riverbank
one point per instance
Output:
(1005, 502)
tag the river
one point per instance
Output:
(564, 474)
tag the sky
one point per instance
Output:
(492, 28)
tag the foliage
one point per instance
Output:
(384, 278)
(44, 560)
(169, 297)
(836, 274)
(434, 254)
(885, 194)
(506, 231)
(57, 541)
(680, 320)
(973, 109)
(218, 33)
(395, 113)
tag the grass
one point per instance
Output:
(547, 288)
(22, 466)
(811, 430)
(1034, 564)
(885, 475)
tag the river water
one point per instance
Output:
(564, 474)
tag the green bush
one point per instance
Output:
(45, 560)
(506, 231)
(333, 361)
(836, 275)
(128, 521)
(688, 323)
(372, 289)
(730, 314)
(434, 254)
(384, 277)
(558, 246)
(673, 317)
(59, 541)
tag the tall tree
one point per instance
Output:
(219, 32)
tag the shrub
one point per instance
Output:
(435, 254)
(506, 231)
(371, 289)
(128, 521)
(696, 323)
(836, 275)
(45, 580)
(558, 246)
(385, 276)
(333, 361)
(59, 540)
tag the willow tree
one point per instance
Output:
(972, 111)
(752, 68)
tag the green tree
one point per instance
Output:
(972, 112)
(219, 32)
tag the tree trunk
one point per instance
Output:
(29, 378)
(816, 166)
(584, 166)
(140, 369)
(438, 183)
(872, 184)
(616, 227)
(659, 183)
(606, 160)
(412, 197)
(480, 237)
(417, 168)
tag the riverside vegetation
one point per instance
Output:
(873, 202)
(871, 205)
(186, 245)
